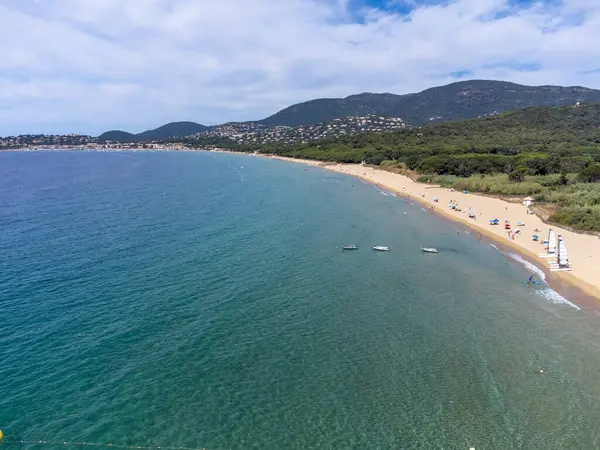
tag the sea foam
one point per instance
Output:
(384, 192)
(529, 266)
(547, 293)
(555, 297)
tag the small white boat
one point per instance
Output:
(381, 248)
(350, 247)
(429, 250)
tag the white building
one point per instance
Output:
(528, 201)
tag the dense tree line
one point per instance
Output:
(531, 141)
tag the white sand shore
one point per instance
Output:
(584, 249)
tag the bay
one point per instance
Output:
(203, 300)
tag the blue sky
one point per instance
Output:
(90, 65)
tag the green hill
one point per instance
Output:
(170, 130)
(565, 131)
(456, 101)
(117, 136)
(461, 100)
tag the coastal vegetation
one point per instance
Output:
(551, 153)
(538, 140)
(558, 198)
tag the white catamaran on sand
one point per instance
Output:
(562, 260)
(551, 250)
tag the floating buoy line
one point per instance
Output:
(93, 444)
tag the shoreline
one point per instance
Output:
(581, 282)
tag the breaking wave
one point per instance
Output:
(531, 267)
(555, 297)
(386, 193)
(546, 293)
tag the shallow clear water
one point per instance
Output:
(202, 300)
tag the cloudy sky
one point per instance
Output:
(91, 65)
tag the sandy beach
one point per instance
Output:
(584, 249)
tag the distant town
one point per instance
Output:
(239, 133)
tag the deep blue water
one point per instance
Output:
(202, 300)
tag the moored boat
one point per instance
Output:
(381, 248)
(350, 247)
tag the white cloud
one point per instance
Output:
(135, 64)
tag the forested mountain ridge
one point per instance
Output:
(455, 101)
(566, 131)
(460, 100)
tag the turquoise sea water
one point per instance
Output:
(202, 300)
